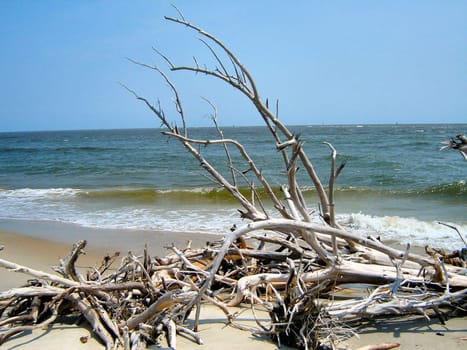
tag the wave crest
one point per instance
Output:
(144, 195)
(458, 188)
(405, 230)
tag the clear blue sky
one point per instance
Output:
(330, 62)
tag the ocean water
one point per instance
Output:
(396, 183)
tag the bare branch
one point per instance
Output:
(221, 134)
(455, 229)
(248, 159)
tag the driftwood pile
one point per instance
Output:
(282, 259)
(132, 303)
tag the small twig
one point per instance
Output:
(398, 266)
(456, 229)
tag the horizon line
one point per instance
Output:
(236, 126)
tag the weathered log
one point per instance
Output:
(92, 316)
(37, 273)
(31, 291)
(166, 301)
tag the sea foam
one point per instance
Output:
(406, 230)
(188, 214)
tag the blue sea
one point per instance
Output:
(396, 183)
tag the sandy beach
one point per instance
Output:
(41, 253)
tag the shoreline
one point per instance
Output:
(103, 240)
(30, 249)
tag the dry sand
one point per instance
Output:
(41, 253)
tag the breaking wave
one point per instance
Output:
(208, 209)
(143, 195)
(406, 230)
